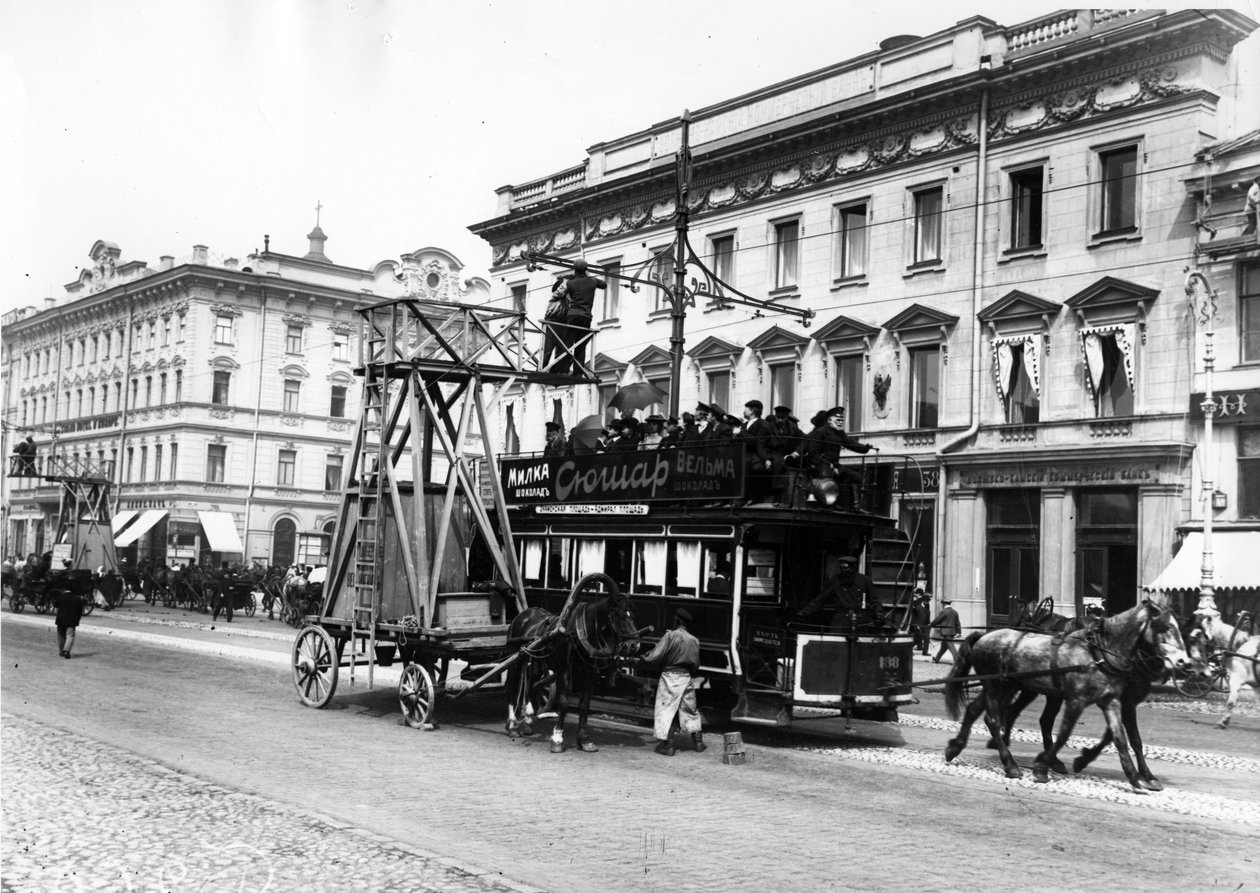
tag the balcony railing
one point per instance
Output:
(1067, 24)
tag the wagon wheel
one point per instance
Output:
(42, 603)
(1193, 684)
(416, 696)
(1043, 612)
(251, 607)
(89, 605)
(314, 666)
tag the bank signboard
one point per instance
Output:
(710, 471)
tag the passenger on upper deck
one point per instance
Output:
(823, 447)
(579, 295)
(653, 435)
(786, 437)
(711, 420)
(557, 445)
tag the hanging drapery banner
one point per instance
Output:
(1124, 336)
(1003, 355)
(1091, 344)
(1032, 361)
(712, 471)
(1005, 369)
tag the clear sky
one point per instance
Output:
(160, 124)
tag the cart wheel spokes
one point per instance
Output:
(250, 607)
(416, 696)
(1192, 684)
(314, 667)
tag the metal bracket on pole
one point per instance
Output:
(1206, 315)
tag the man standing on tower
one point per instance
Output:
(579, 295)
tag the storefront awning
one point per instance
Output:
(139, 528)
(119, 521)
(220, 531)
(1233, 562)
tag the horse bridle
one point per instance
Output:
(1115, 665)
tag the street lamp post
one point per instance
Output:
(1206, 315)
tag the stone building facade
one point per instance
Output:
(992, 226)
(219, 395)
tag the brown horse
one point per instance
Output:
(1239, 651)
(572, 656)
(1112, 666)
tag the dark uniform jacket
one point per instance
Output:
(69, 609)
(948, 622)
(756, 436)
(844, 595)
(580, 294)
(823, 446)
(677, 650)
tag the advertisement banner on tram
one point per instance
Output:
(708, 471)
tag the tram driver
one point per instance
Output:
(848, 603)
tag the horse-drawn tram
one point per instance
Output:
(445, 552)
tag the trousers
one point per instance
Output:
(675, 698)
(65, 639)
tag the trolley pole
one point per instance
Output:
(1205, 316)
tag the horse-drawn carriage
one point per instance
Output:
(42, 592)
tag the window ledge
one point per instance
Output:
(1111, 237)
(849, 282)
(659, 314)
(927, 266)
(781, 294)
(1011, 254)
(612, 322)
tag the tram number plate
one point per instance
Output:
(837, 667)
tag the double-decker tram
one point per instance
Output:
(671, 527)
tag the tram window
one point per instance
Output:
(760, 566)
(717, 571)
(685, 557)
(617, 562)
(590, 557)
(532, 561)
(651, 567)
(558, 564)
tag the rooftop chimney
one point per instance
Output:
(166, 262)
(200, 254)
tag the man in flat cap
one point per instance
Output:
(758, 457)
(557, 445)
(848, 602)
(823, 447)
(25, 452)
(677, 655)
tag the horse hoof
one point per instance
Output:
(1014, 772)
(952, 750)
(1078, 764)
(1057, 767)
(587, 747)
(1040, 775)
(1154, 784)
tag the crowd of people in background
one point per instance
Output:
(774, 446)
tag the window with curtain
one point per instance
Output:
(651, 567)
(340, 346)
(1248, 471)
(849, 372)
(611, 295)
(511, 440)
(786, 246)
(925, 386)
(332, 473)
(850, 259)
(1016, 367)
(1249, 314)
(720, 387)
(590, 557)
(687, 560)
(219, 395)
(927, 224)
(1109, 368)
(1118, 190)
(216, 462)
(722, 258)
(783, 384)
(286, 468)
(532, 561)
(1026, 198)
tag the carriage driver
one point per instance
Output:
(848, 601)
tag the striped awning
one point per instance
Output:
(220, 531)
(1234, 562)
(121, 520)
(139, 527)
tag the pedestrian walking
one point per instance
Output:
(920, 617)
(950, 625)
(69, 613)
(222, 594)
(677, 655)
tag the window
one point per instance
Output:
(1109, 368)
(78, 402)
(104, 398)
(134, 403)
(174, 461)
(219, 395)
(223, 329)
(152, 334)
(166, 331)
(292, 394)
(332, 474)
(783, 384)
(91, 401)
(1017, 373)
(96, 346)
(722, 258)
(1026, 197)
(216, 460)
(518, 297)
(286, 467)
(1119, 190)
(663, 271)
(1106, 548)
(720, 388)
(106, 344)
(850, 259)
(162, 389)
(849, 389)
(179, 385)
(157, 462)
(118, 396)
(337, 409)
(131, 463)
(82, 351)
(293, 339)
(1013, 537)
(612, 293)
(1248, 472)
(341, 346)
(786, 242)
(925, 386)
(1249, 314)
(927, 225)
(180, 321)
(144, 463)
(148, 391)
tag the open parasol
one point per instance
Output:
(586, 432)
(639, 395)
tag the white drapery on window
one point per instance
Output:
(1032, 362)
(590, 557)
(533, 559)
(654, 563)
(1004, 368)
(689, 566)
(1125, 337)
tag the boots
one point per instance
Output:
(665, 748)
(697, 739)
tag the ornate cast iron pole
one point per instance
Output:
(679, 293)
(1205, 315)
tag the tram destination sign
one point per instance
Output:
(711, 471)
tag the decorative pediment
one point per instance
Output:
(224, 362)
(1112, 300)
(714, 349)
(294, 371)
(918, 318)
(653, 357)
(1018, 306)
(846, 335)
(608, 370)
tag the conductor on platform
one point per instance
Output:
(848, 601)
(579, 296)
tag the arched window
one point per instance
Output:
(283, 542)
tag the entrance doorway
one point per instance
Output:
(1013, 547)
(1106, 550)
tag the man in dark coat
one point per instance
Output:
(786, 437)
(220, 586)
(920, 616)
(69, 612)
(948, 622)
(823, 447)
(758, 458)
(579, 295)
(557, 445)
(848, 601)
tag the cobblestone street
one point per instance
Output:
(72, 807)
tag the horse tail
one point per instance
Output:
(955, 685)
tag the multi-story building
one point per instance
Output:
(992, 225)
(219, 396)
